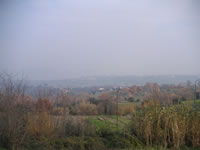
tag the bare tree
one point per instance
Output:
(13, 115)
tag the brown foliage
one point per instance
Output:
(107, 104)
(43, 105)
(85, 108)
(150, 103)
(126, 110)
(133, 89)
(40, 124)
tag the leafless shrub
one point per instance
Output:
(13, 111)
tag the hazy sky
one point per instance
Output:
(58, 39)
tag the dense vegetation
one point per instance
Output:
(168, 126)
(65, 122)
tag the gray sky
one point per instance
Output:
(59, 39)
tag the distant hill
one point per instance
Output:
(113, 81)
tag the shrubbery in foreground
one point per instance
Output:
(168, 126)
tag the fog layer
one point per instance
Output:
(65, 39)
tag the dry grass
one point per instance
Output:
(169, 126)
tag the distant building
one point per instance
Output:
(101, 89)
(65, 90)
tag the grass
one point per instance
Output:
(191, 101)
(127, 103)
(109, 121)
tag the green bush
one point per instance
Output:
(114, 139)
(78, 143)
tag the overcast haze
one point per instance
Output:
(59, 39)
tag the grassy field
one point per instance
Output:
(109, 121)
(192, 101)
